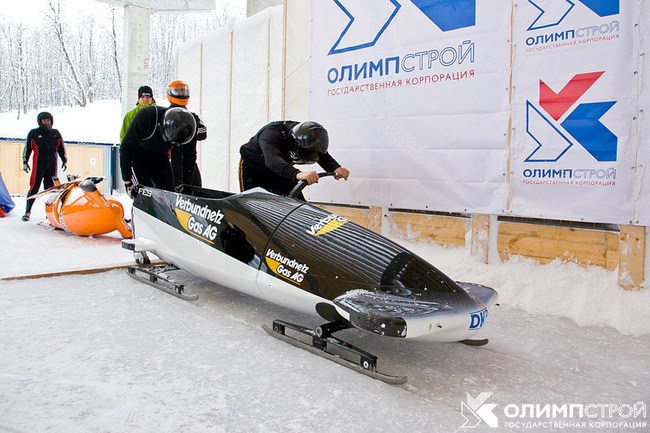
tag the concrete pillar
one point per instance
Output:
(136, 54)
(255, 6)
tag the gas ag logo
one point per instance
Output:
(476, 410)
(553, 12)
(555, 129)
(369, 19)
(289, 269)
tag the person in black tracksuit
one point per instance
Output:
(144, 151)
(44, 142)
(178, 95)
(185, 173)
(268, 159)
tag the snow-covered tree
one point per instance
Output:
(68, 58)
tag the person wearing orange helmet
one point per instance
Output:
(178, 95)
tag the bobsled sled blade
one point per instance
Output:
(155, 277)
(366, 365)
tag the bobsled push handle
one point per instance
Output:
(303, 183)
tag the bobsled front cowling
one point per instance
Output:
(375, 284)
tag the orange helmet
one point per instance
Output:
(178, 92)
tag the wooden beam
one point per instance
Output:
(631, 257)
(480, 236)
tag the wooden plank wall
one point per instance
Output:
(443, 230)
(544, 242)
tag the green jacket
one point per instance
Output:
(128, 118)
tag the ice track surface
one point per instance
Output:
(102, 352)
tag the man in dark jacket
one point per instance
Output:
(178, 94)
(268, 159)
(144, 152)
(44, 142)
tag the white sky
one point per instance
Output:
(32, 11)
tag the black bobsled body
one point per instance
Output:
(297, 255)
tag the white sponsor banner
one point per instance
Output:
(574, 100)
(415, 96)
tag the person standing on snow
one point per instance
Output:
(267, 159)
(144, 151)
(44, 142)
(178, 94)
(145, 99)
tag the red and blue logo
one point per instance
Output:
(556, 125)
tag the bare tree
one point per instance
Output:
(84, 62)
(115, 50)
(54, 16)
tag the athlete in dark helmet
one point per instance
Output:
(144, 152)
(178, 94)
(44, 143)
(268, 159)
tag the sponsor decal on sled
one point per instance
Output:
(289, 269)
(200, 221)
(326, 225)
(478, 318)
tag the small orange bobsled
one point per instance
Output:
(78, 207)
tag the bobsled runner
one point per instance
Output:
(79, 208)
(299, 256)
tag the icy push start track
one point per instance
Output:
(102, 352)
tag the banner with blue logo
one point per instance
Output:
(574, 142)
(415, 96)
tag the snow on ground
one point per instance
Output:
(105, 353)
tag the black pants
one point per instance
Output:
(177, 167)
(153, 170)
(250, 177)
(41, 172)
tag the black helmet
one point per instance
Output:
(310, 140)
(178, 126)
(44, 115)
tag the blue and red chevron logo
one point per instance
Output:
(553, 123)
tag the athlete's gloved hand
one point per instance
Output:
(130, 188)
(64, 166)
(25, 167)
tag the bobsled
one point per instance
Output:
(79, 208)
(297, 255)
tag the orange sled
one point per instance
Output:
(79, 208)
